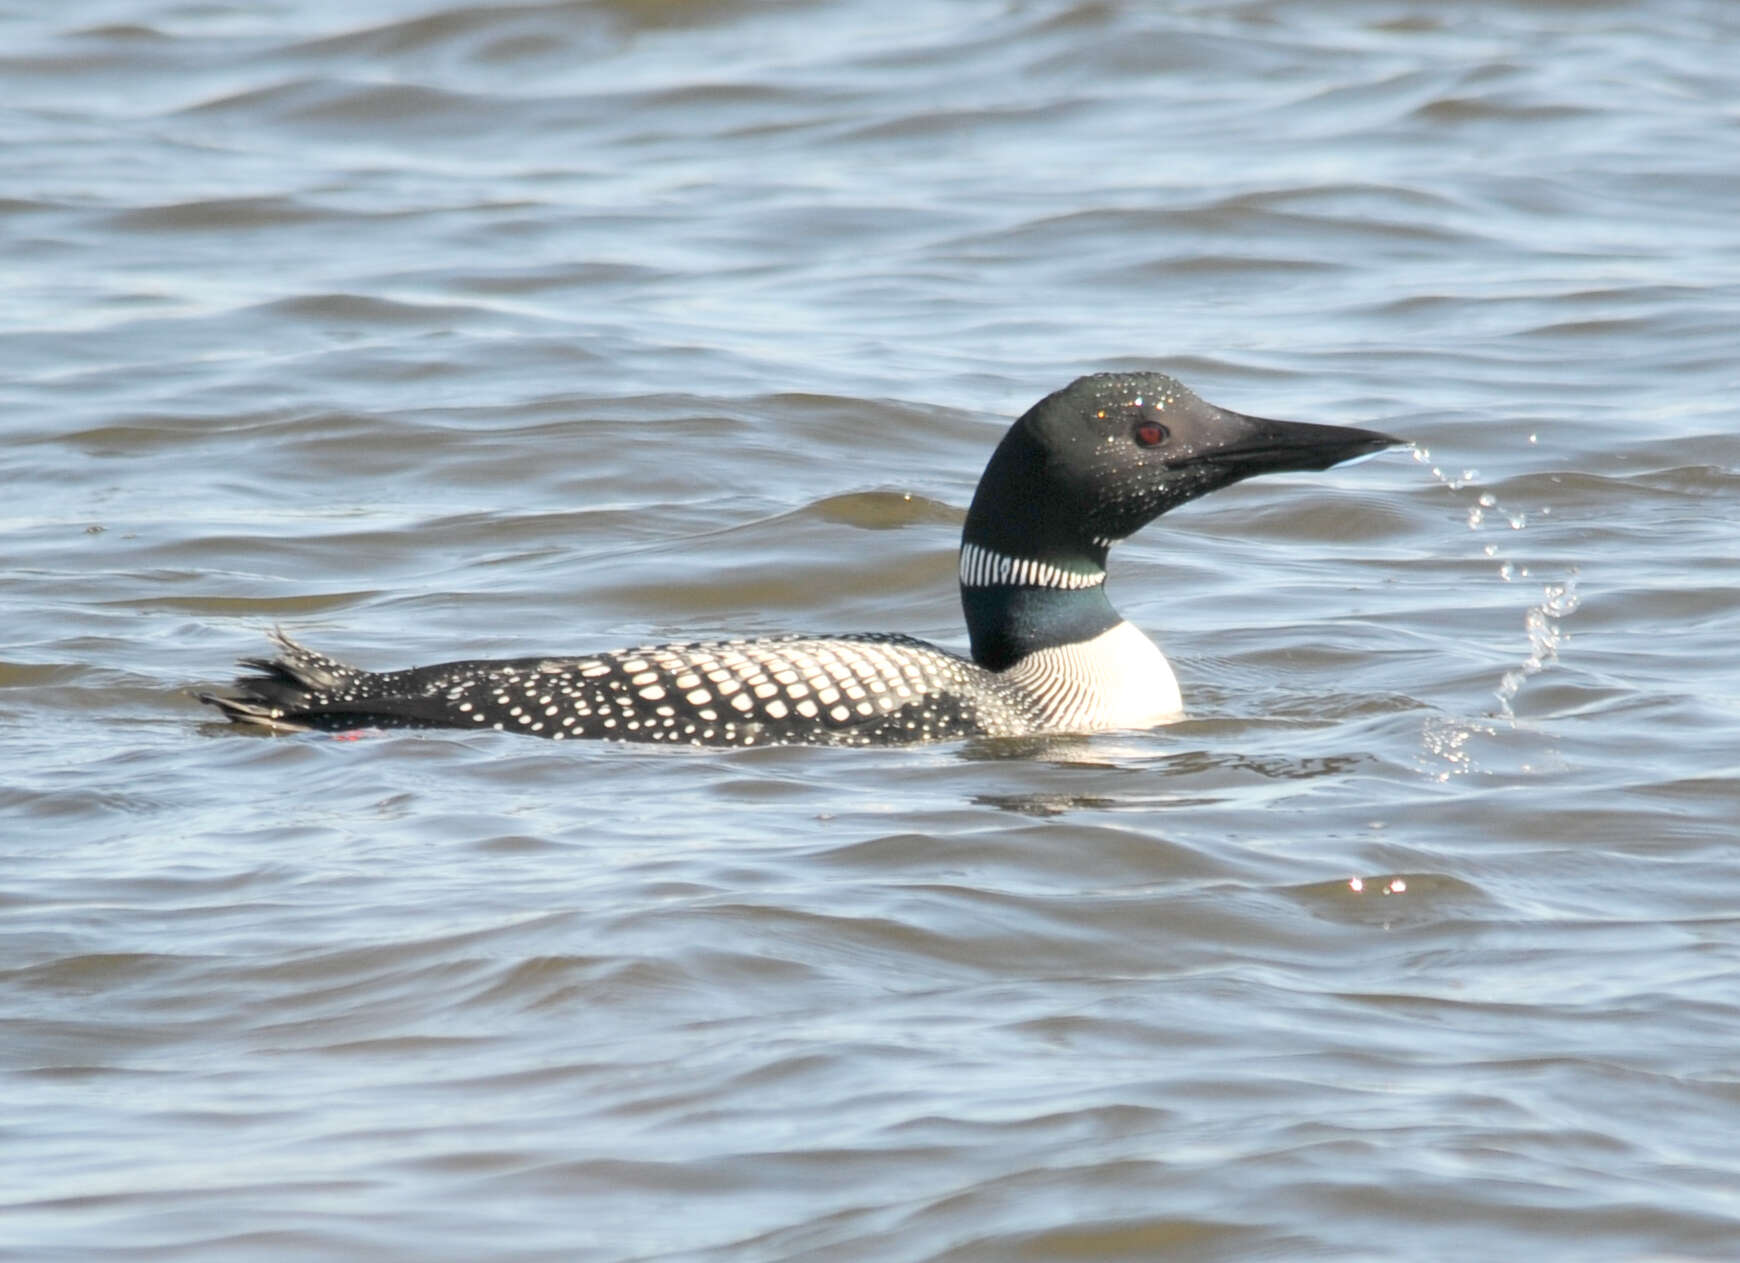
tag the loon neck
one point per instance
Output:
(1018, 605)
(1032, 574)
(1048, 628)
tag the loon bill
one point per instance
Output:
(1085, 467)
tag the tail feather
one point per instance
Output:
(286, 692)
(239, 710)
(303, 667)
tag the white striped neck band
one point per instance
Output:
(982, 568)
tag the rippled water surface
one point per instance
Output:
(432, 330)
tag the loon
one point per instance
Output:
(1083, 468)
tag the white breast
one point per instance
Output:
(1119, 679)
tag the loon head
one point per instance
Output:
(1109, 453)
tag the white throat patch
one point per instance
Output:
(982, 568)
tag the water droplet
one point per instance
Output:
(1545, 636)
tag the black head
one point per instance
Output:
(1107, 454)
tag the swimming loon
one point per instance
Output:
(1083, 468)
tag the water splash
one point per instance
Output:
(1448, 742)
(1542, 620)
(1545, 636)
(1444, 744)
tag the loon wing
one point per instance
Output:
(842, 690)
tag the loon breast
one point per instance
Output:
(1117, 679)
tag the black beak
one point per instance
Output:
(1256, 445)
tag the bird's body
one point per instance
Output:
(790, 690)
(1083, 468)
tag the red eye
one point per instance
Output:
(1151, 434)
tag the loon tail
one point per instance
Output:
(286, 691)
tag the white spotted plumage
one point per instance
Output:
(848, 690)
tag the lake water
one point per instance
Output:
(432, 330)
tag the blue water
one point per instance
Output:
(446, 331)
